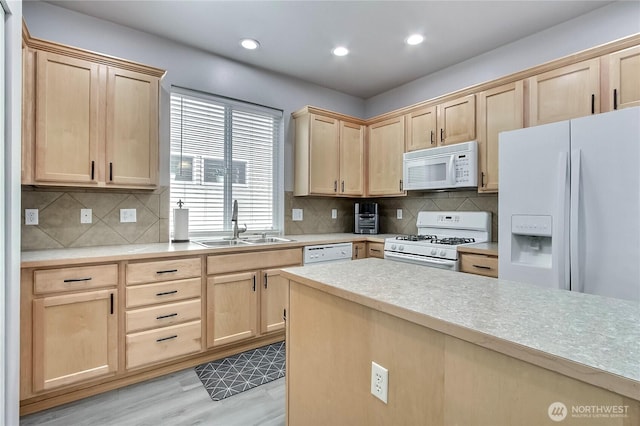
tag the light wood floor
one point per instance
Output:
(175, 399)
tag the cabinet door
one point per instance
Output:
(359, 251)
(131, 128)
(274, 300)
(324, 151)
(421, 129)
(66, 129)
(386, 146)
(231, 308)
(457, 120)
(624, 79)
(74, 338)
(499, 109)
(566, 93)
(375, 250)
(351, 158)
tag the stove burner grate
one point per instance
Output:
(416, 237)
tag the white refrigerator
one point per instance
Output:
(569, 205)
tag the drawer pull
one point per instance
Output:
(166, 316)
(375, 250)
(481, 267)
(166, 338)
(168, 271)
(75, 280)
(166, 293)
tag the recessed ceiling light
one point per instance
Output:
(415, 39)
(250, 44)
(340, 51)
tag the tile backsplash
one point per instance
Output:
(317, 211)
(59, 217)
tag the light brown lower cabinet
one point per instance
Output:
(75, 338)
(375, 250)
(243, 304)
(232, 306)
(89, 328)
(479, 264)
(359, 251)
(164, 308)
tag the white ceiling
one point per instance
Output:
(297, 37)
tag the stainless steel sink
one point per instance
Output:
(268, 240)
(222, 243)
(241, 241)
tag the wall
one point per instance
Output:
(603, 25)
(10, 222)
(317, 211)
(59, 217)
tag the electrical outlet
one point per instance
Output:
(296, 214)
(127, 215)
(399, 214)
(334, 213)
(30, 216)
(379, 382)
(86, 215)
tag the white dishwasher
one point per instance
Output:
(325, 253)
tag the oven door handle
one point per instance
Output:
(422, 259)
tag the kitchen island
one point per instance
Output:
(459, 349)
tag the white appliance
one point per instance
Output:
(326, 253)
(444, 167)
(569, 205)
(439, 235)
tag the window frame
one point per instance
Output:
(198, 176)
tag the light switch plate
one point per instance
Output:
(334, 213)
(127, 215)
(296, 214)
(399, 214)
(86, 215)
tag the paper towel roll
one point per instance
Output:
(180, 225)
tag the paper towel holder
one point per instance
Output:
(180, 224)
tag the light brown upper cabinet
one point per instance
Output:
(565, 93)
(67, 133)
(444, 124)
(329, 155)
(88, 120)
(386, 146)
(421, 129)
(499, 109)
(622, 88)
(457, 120)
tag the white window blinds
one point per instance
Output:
(224, 150)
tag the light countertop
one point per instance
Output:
(591, 338)
(71, 256)
(490, 248)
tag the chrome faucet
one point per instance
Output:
(234, 220)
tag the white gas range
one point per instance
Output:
(439, 235)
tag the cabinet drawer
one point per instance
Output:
(164, 270)
(170, 291)
(163, 315)
(375, 250)
(479, 264)
(224, 263)
(156, 345)
(70, 279)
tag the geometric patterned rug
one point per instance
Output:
(238, 373)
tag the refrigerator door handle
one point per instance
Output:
(561, 253)
(576, 281)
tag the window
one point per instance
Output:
(224, 150)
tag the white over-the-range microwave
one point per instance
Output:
(444, 167)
